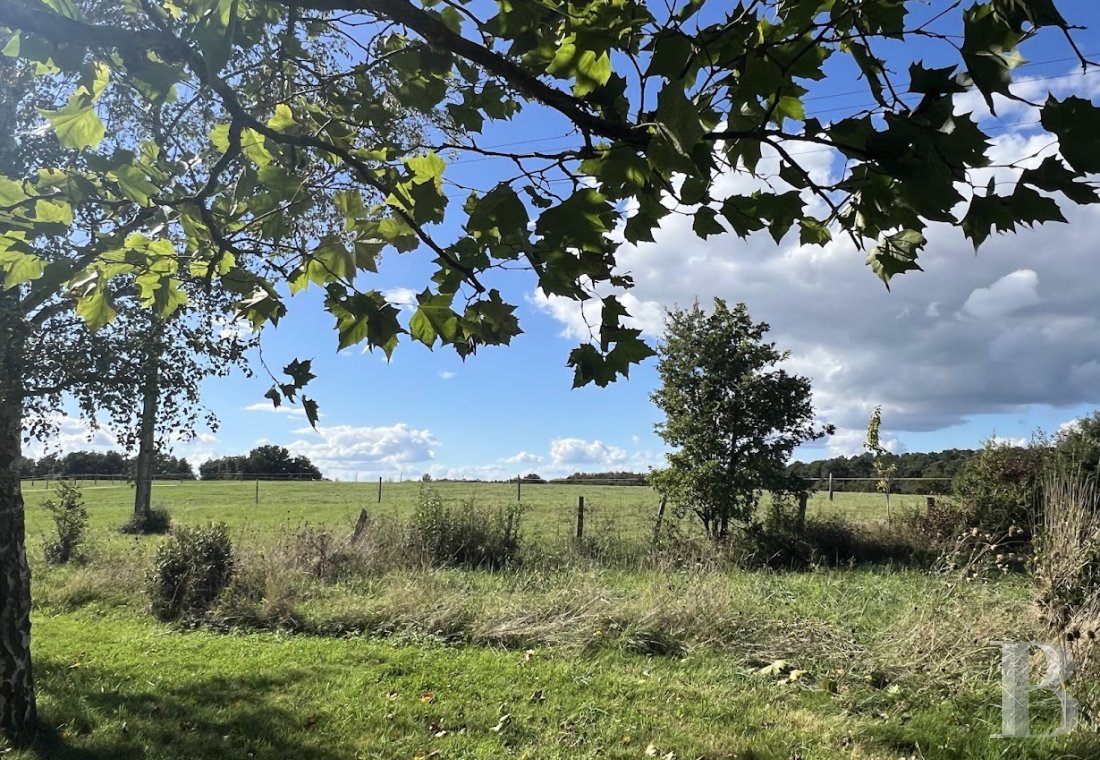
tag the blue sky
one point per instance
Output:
(1007, 342)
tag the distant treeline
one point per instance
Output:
(109, 463)
(940, 464)
(607, 478)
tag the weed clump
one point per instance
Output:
(191, 569)
(465, 536)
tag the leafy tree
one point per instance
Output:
(732, 413)
(661, 100)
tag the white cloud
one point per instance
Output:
(578, 451)
(522, 457)
(998, 440)
(448, 375)
(229, 328)
(1008, 294)
(1069, 426)
(290, 411)
(343, 449)
(404, 298)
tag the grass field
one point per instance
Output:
(576, 662)
(550, 508)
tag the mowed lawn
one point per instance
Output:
(549, 509)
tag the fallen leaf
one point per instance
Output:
(504, 721)
(427, 698)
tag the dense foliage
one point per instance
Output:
(263, 461)
(190, 570)
(732, 415)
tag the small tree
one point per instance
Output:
(885, 468)
(70, 517)
(734, 416)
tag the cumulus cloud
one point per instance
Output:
(341, 449)
(1011, 292)
(448, 375)
(579, 451)
(522, 457)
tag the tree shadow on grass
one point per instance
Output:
(90, 714)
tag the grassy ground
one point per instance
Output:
(551, 508)
(851, 664)
(579, 661)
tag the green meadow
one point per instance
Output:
(577, 660)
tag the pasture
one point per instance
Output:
(579, 660)
(549, 509)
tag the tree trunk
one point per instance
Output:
(147, 443)
(17, 708)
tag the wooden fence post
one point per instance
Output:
(930, 502)
(580, 517)
(802, 499)
(660, 519)
(379, 489)
(257, 491)
(360, 526)
(830, 486)
(519, 488)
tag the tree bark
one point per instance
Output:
(17, 706)
(147, 443)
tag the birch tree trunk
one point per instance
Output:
(17, 708)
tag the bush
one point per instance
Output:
(156, 522)
(1000, 487)
(70, 518)
(190, 570)
(466, 536)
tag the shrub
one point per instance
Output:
(70, 518)
(156, 522)
(1000, 487)
(466, 536)
(190, 570)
